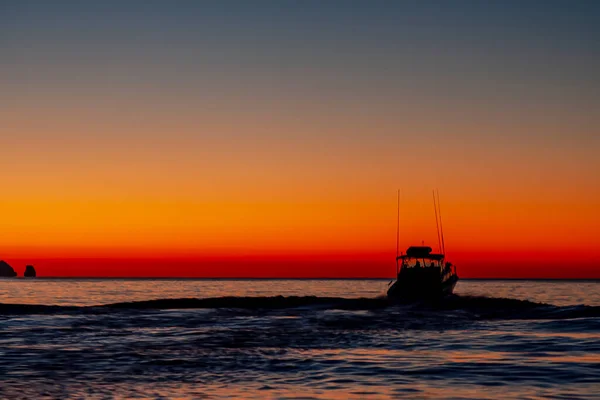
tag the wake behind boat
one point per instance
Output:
(421, 274)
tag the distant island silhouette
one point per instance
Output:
(29, 272)
(6, 271)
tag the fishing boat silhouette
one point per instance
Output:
(421, 274)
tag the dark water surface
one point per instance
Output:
(296, 339)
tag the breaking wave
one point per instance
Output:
(465, 307)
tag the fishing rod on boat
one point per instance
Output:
(437, 225)
(398, 232)
(441, 226)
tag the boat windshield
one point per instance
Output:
(411, 262)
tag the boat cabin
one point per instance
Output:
(422, 274)
(421, 257)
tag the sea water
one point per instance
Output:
(328, 339)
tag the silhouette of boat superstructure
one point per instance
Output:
(423, 274)
(420, 273)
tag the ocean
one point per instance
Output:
(324, 339)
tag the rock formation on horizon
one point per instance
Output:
(29, 272)
(6, 271)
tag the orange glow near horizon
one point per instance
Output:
(328, 237)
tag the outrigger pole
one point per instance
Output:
(437, 225)
(441, 226)
(398, 232)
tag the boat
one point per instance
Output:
(420, 273)
(423, 274)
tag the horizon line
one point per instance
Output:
(284, 278)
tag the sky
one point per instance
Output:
(269, 138)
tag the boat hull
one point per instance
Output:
(422, 289)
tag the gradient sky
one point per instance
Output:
(237, 138)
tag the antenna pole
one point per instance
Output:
(398, 232)
(398, 226)
(441, 226)
(437, 225)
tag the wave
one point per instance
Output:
(470, 307)
(258, 303)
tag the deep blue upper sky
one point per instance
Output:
(305, 75)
